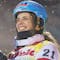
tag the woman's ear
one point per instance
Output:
(37, 28)
(38, 24)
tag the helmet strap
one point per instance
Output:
(25, 34)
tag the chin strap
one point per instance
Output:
(25, 34)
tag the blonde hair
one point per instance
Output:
(49, 37)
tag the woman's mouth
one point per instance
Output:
(22, 27)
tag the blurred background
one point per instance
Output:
(7, 22)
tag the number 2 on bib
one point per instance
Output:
(47, 53)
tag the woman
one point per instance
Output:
(31, 42)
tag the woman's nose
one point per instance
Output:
(21, 22)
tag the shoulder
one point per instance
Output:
(49, 45)
(49, 51)
(46, 43)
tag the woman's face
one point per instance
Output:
(24, 22)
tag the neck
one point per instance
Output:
(25, 34)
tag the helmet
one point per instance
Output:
(31, 6)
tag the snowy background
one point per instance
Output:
(7, 23)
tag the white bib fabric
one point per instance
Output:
(43, 50)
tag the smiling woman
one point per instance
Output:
(31, 42)
(24, 22)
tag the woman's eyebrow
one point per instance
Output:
(25, 17)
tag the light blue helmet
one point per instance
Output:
(31, 6)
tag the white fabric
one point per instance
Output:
(30, 40)
(48, 51)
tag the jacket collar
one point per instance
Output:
(30, 40)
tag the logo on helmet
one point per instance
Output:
(25, 4)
